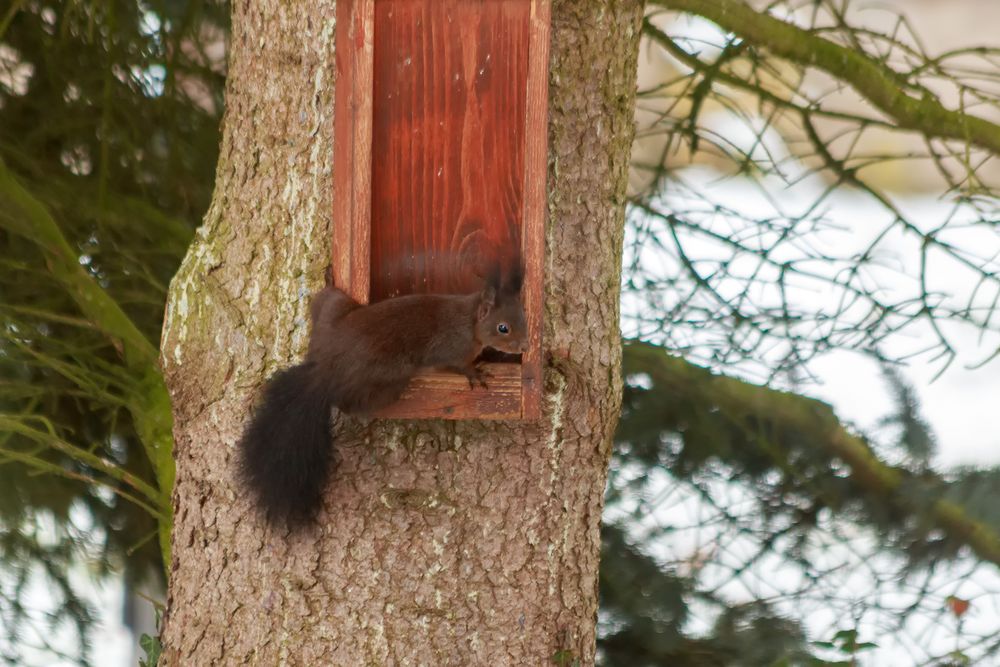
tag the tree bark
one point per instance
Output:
(440, 543)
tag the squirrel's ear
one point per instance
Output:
(487, 301)
(491, 291)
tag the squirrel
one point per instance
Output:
(360, 359)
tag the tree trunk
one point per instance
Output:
(440, 543)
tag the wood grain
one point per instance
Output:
(448, 396)
(352, 194)
(448, 150)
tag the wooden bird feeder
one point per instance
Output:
(440, 152)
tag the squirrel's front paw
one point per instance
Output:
(478, 374)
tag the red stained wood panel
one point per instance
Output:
(449, 99)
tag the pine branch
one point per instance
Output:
(24, 215)
(882, 86)
(778, 421)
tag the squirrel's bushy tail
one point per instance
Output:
(285, 455)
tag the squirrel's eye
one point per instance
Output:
(503, 328)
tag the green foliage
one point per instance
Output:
(915, 437)
(108, 136)
(787, 446)
(152, 648)
(644, 608)
(976, 491)
(642, 604)
(565, 658)
(37, 552)
(783, 484)
(845, 642)
(150, 645)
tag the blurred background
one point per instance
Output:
(781, 231)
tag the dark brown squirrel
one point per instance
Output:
(360, 359)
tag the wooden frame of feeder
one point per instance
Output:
(440, 140)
